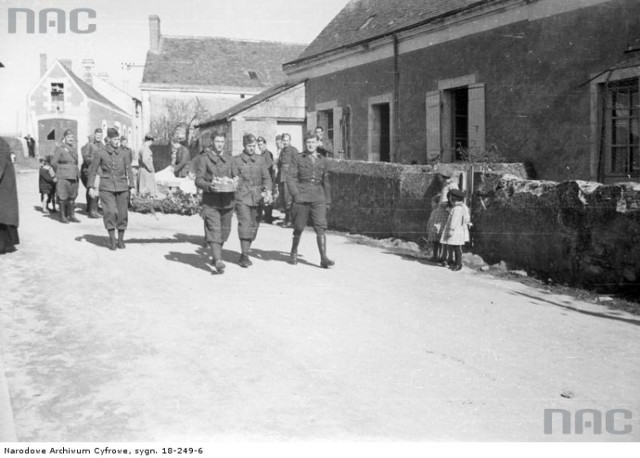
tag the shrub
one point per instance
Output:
(175, 202)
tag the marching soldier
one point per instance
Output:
(217, 206)
(253, 177)
(284, 160)
(65, 164)
(89, 151)
(309, 185)
(113, 165)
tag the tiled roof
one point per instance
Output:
(205, 61)
(248, 103)
(90, 92)
(363, 20)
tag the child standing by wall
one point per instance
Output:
(440, 213)
(456, 229)
(47, 185)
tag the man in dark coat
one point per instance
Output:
(253, 177)
(182, 158)
(89, 151)
(267, 209)
(65, 163)
(284, 160)
(116, 181)
(325, 147)
(9, 216)
(309, 185)
(31, 145)
(217, 206)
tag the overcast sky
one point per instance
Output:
(122, 35)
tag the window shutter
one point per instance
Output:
(312, 120)
(477, 126)
(434, 144)
(337, 132)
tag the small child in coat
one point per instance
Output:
(47, 184)
(456, 229)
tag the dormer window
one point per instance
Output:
(57, 96)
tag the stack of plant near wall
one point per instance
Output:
(175, 202)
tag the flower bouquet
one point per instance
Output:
(224, 184)
(266, 196)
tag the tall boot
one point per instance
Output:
(294, 249)
(120, 243)
(63, 212)
(436, 252)
(45, 208)
(244, 257)
(112, 239)
(71, 207)
(92, 207)
(216, 255)
(325, 262)
(287, 219)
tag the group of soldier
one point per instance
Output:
(301, 182)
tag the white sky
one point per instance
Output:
(122, 35)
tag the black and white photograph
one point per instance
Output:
(338, 222)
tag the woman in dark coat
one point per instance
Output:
(9, 217)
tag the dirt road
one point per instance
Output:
(146, 344)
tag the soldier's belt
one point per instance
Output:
(311, 181)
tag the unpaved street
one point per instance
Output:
(146, 344)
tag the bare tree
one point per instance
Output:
(178, 119)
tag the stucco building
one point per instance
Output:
(547, 82)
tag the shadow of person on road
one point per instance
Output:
(276, 256)
(198, 259)
(97, 240)
(100, 240)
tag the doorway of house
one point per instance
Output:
(381, 132)
(50, 134)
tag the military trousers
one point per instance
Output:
(247, 221)
(300, 213)
(285, 200)
(115, 209)
(217, 223)
(67, 189)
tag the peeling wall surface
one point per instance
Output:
(578, 232)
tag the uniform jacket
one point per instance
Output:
(114, 167)
(283, 162)
(254, 175)
(308, 180)
(8, 190)
(183, 156)
(209, 165)
(89, 151)
(65, 162)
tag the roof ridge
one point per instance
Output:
(247, 40)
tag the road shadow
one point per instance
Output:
(198, 260)
(279, 256)
(411, 257)
(575, 309)
(103, 240)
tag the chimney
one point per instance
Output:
(66, 63)
(88, 65)
(154, 34)
(43, 63)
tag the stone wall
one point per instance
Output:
(578, 232)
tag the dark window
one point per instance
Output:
(252, 75)
(52, 135)
(57, 96)
(623, 113)
(460, 118)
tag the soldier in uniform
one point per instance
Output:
(253, 174)
(89, 151)
(284, 160)
(267, 209)
(217, 207)
(113, 165)
(65, 163)
(309, 185)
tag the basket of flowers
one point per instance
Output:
(224, 184)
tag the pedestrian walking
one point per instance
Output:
(147, 173)
(253, 177)
(65, 164)
(440, 212)
(113, 166)
(266, 208)
(47, 185)
(284, 160)
(309, 185)
(89, 151)
(213, 168)
(9, 212)
(456, 229)
(180, 158)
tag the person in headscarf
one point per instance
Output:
(9, 213)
